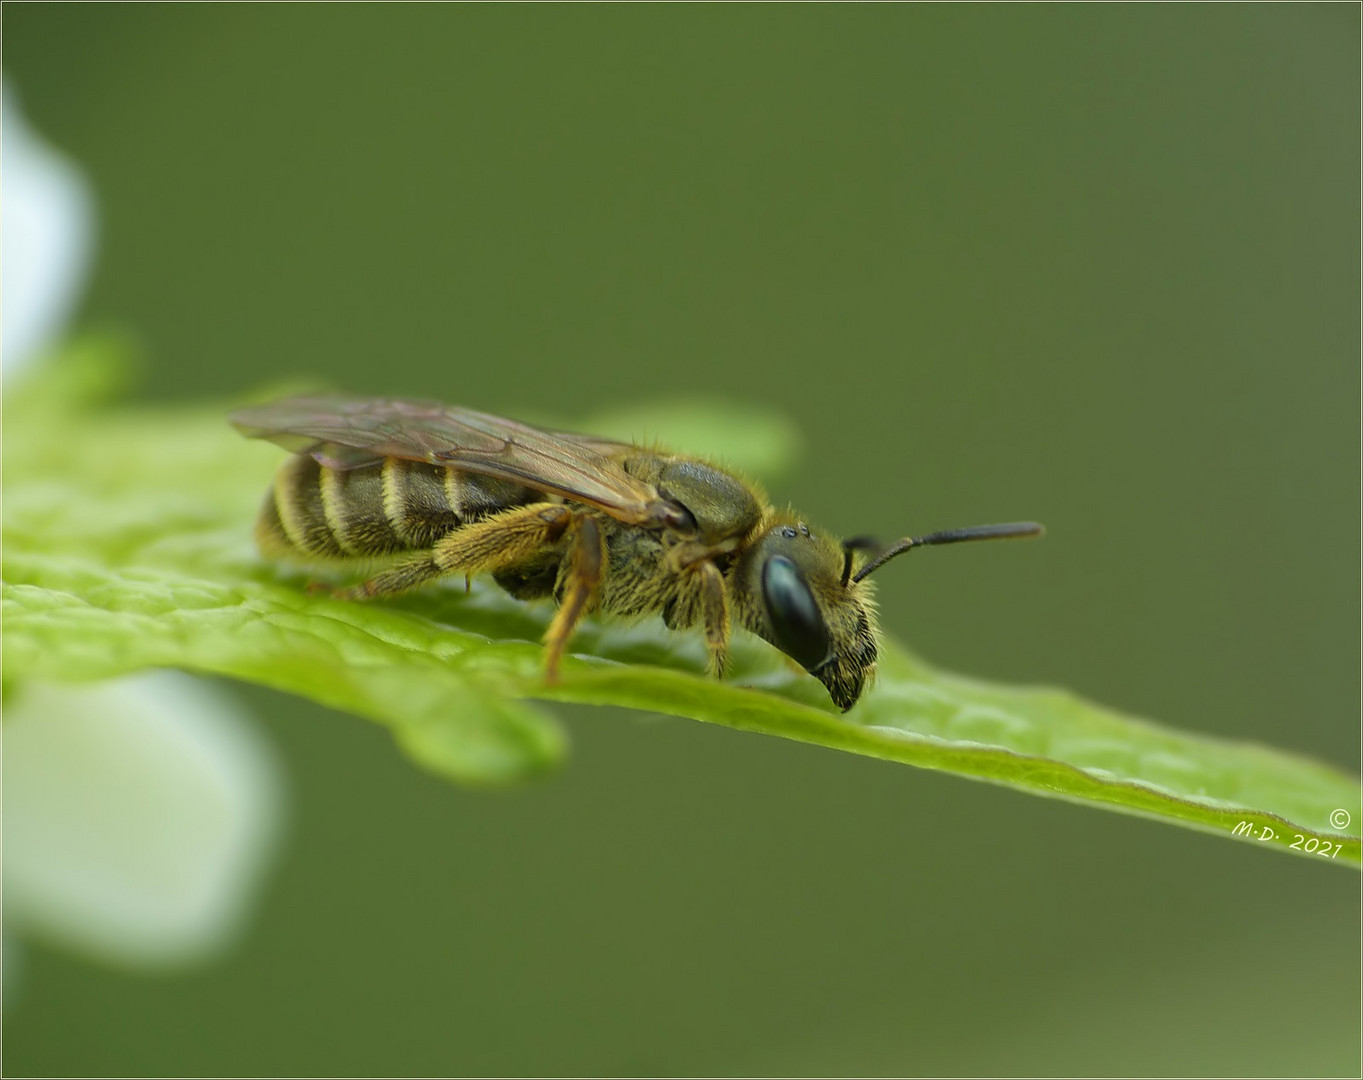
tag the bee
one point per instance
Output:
(596, 525)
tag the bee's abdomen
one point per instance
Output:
(389, 506)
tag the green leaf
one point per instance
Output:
(127, 546)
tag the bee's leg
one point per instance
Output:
(701, 598)
(502, 540)
(405, 575)
(715, 610)
(585, 571)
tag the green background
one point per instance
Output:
(1096, 266)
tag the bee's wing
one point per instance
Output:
(348, 432)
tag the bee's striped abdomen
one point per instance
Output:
(295, 511)
(377, 509)
(415, 502)
(354, 500)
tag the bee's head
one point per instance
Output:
(796, 596)
(797, 590)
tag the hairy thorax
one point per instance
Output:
(652, 570)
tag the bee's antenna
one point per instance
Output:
(949, 536)
(851, 544)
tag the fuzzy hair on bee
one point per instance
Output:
(596, 525)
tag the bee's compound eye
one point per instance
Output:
(796, 621)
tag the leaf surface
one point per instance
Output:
(127, 545)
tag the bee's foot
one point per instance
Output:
(353, 592)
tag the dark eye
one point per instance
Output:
(796, 622)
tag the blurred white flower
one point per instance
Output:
(48, 239)
(139, 813)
